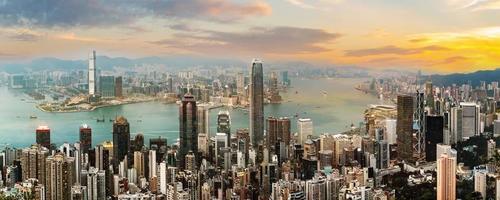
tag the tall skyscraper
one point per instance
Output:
(471, 122)
(434, 133)
(85, 138)
(446, 180)
(121, 140)
(256, 103)
(224, 123)
(188, 133)
(305, 128)
(60, 173)
(43, 136)
(404, 127)
(92, 77)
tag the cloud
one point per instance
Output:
(476, 5)
(314, 4)
(69, 13)
(276, 40)
(392, 50)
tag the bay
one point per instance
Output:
(332, 104)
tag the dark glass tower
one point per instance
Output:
(434, 131)
(256, 103)
(188, 133)
(404, 128)
(43, 136)
(121, 140)
(85, 138)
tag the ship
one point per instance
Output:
(33, 117)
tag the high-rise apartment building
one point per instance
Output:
(446, 180)
(60, 173)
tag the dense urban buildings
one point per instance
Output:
(400, 146)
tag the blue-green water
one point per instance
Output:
(331, 113)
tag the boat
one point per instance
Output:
(101, 120)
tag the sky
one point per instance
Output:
(441, 36)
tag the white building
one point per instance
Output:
(305, 127)
(92, 76)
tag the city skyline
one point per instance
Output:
(438, 36)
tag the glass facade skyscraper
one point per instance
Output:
(256, 103)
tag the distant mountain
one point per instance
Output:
(107, 63)
(169, 62)
(458, 78)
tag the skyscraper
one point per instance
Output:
(85, 138)
(433, 135)
(43, 136)
(59, 176)
(92, 77)
(305, 128)
(471, 122)
(278, 129)
(455, 125)
(224, 123)
(119, 86)
(404, 127)
(121, 140)
(107, 86)
(188, 133)
(256, 103)
(446, 180)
